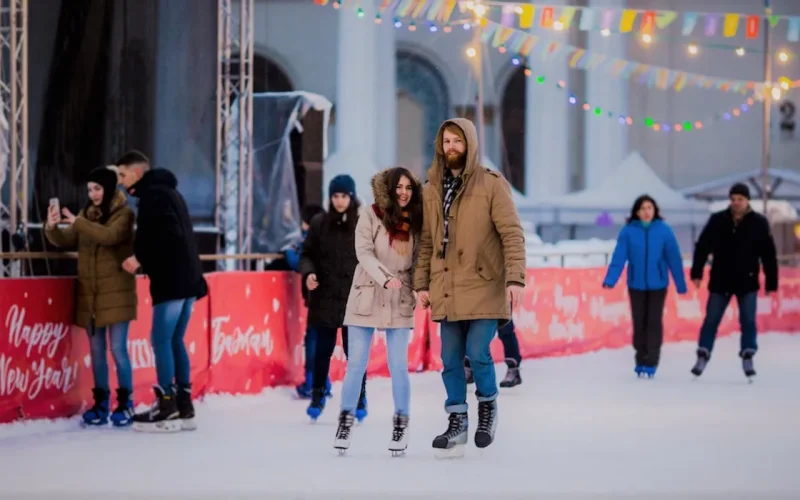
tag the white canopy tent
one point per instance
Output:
(615, 195)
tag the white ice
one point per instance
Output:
(580, 424)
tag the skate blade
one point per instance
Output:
(457, 451)
(163, 427)
(342, 451)
(188, 424)
(398, 453)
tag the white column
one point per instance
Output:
(356, 99)
(546, 126)
(386, 103)
(606, 141)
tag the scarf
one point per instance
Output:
(401, 231)
(450, 186)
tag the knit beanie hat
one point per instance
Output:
(342, 184)
(106, 178)
(740, 189)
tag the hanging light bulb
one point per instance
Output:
(783, 56)
(646, 38)
(471, 52)
(605, 32)
(776, 93)
(692, 48)
(740, 51)
(558, 26)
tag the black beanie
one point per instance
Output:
(740, 189)
(342, 184)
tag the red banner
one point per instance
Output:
(247, 335)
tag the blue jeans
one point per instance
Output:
(118, 333)
(360, 340)
(170, 320)
(470, 339)
(715, 310)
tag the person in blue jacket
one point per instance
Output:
(292, 256)
(649, 247)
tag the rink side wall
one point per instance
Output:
(247, 334)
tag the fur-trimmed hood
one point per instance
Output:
(380, 188)
(118, 201)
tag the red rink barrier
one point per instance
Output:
(247, 335)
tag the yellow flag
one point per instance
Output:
(627, 20)
(730, 25)
(526, 17)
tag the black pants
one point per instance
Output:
(326, 343)
(647, 313)
(508, 336)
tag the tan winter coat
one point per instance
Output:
(486, 251)
(105, 291)
(369, 303)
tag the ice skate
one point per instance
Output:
(123, 413)
(162, 417)
(512, 375)
(639, 370)
(317, 404)
(342, 441)
(183, 395)
(703, 355)
(487, 423)
(648, 371)
(399, 441)
(97, 415)
(452, 443)
(747, 364)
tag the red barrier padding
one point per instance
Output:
(247, 335)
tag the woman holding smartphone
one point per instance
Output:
(106, 294)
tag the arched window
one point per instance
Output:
(423, 104)
(513, 130)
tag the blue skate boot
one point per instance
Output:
(304, 389)
(123, 413)
(361, 408)
(317, 405)
(97, 415)
(639, 369)
(649, 371)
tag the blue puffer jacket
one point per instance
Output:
(649, 251)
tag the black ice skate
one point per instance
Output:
(487, 423)
(183, 398)
(163, 416)
(512, 375)
(703, 355)
(747, 364)
(451, 443)
(399, 441)
(342, 441)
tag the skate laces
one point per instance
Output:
(345, 423)
(485, 416)
(400, 425)
(454, 428)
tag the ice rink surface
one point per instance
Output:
(578, 427)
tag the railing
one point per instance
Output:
(548, 257)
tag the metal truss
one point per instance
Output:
(234, 160)
(13, 126)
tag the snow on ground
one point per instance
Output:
(581, 424)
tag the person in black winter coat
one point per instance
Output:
(741, 243)
(327, 263)
(166, 250)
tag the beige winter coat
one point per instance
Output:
(486, 249)
(369, 303)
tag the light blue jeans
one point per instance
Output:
(118, 334)
(360, 340)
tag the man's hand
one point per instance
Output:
(423, 299)
(515, 293)
(393, 284)
(311, 282)
(130, 264)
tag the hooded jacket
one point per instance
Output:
(165, 243)
(369, 303)
(106, 294)
(486, 249)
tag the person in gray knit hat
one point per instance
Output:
(741, 242)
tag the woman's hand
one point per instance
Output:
(311, 282)
(393, 284)
(69, 218)
(53, 217)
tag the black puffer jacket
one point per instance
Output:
(329, 251)
(740, 251)
(165, 244)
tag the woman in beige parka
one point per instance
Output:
(381, 295)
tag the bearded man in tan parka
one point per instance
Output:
(471, 273)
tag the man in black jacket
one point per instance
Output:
(741, 243)
(166, 250)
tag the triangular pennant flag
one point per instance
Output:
(665, 18)
(587, 20)
(689, 22)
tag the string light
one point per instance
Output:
(471, 52)
(606, 32)
(558, 26)
(783, 56)
(692, 49)
(646, 38)
(740, 51)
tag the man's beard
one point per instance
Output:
(455, 162)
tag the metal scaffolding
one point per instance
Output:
(234, 160)
(13, 127)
